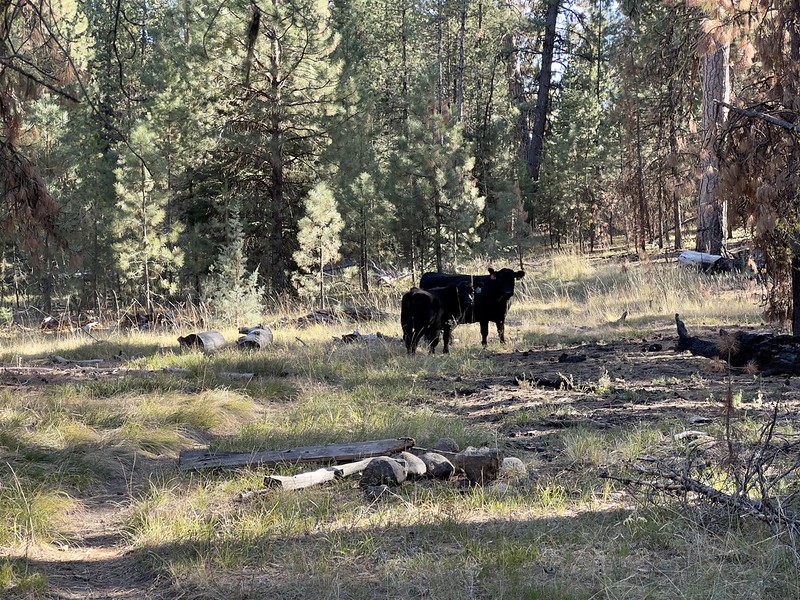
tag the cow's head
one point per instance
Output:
(503, 282)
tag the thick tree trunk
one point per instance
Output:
(279, 263)
(796, 292)
(711, 209)
(536, 143)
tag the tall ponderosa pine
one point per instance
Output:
(275, 120)
(711, 212)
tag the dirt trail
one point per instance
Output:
(95, 562)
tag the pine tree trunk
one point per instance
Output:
(673, 150)
(279, 263)
(363, 254)
(460, 83)
(536, 143)
(796, 291)
(710, 209)
(642, 203)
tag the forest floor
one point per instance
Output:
(137, 527)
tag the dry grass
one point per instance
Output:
(562, 533)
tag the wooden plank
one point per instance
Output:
(352, 451)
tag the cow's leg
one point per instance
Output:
(484, 332)
(415, 339)
(501, 331)
(408, 337)
(447, 333)
(433, 341)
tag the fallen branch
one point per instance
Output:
(306, 480)
(740, 503)
(80, 363)
(770, 354)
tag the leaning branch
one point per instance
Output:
(755, 114)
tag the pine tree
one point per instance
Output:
(233, 294)
(281, 89)
(318, 239)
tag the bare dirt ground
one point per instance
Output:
(621, 384)
(539, 391)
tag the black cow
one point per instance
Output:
(491, 302)
(427, 313)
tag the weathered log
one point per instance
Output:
(255, 338)
(297, 482)
(205, 340)
(699, 260)
(479, 465)
(352, 468)
(383, 470)
(79, 363)
(203, 459)
(764, 352)
(306, 480)
(712, 262)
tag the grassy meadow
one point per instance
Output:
(71, 438)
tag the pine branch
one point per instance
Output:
(748, 112)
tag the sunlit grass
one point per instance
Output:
(559, 533)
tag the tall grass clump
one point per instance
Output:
(30, 513)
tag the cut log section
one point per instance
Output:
(205, 340)
(255, 338)
(354, 451)
(764, 352)
(479, 465)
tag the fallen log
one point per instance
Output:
(79, 363)
(205, 340)
(703, 261)
(301, 481)
(764, 352)
(479, 465)
(353, 451)
(309, 479)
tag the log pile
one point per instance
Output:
(752, 352)
(381, 465)
(205, 340)
(253, 338)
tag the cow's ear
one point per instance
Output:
(519, 274)
(491, 271)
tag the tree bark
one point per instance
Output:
(535, 144)
(711, 209)
(279, 261)
(460, 83)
